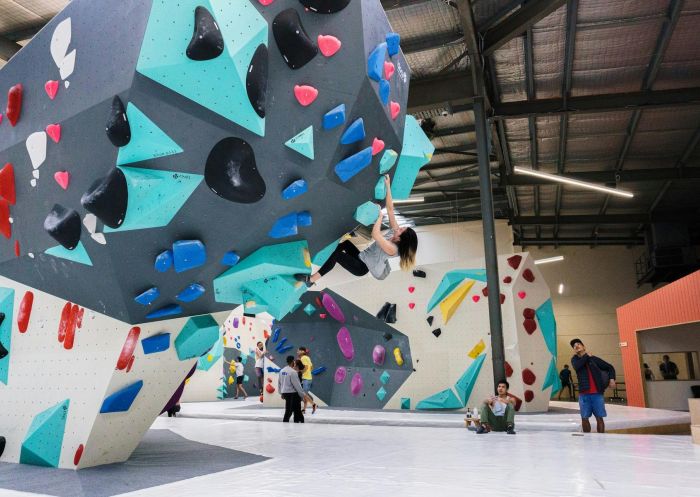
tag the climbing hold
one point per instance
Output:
(14, 104)
(405, 403)
(387, 162)
(322, 316)
(118, 129)
(121, 400)
(198, 335)
(528, 276)
(42, 443)
(64, 226)
(345, 343)
(377, 146)
(507, 279)
(380, 189)
(17, 248)
(256, 80)
(318, 370)
(303, 143)
(295, 189)
(381, 393)
(36, 148)
(231, 172)
(393, 43)
(367, 213)
(188, 254)
(164, 261)
(309, 309)
(107, 198)
(25, 311)
(51, 88)
(207, 42)
(411, 305)
(391, 314)
(417, 152)
(54, 132)
(522, 295)
(148, 140)
(349, 167)
(477, 349)
(156, 343)
(230, 258)
(7, 183)
(378, 354)
(333, 308)
(78, 254)
(265, 3)
(285, 226)
(62, 178)
(514, 261)
(466, 382)
(329, 45)
(451, 303)
(334, 117)
(305, 94)
(411, 289)
(325, 6)
(276, 335)
(389, 70)
(445, 399)
(398, 357)
(502, 298)
(529, 395)
(530, 326)
(269, 388)
(294, 44)
(509, 369)
(528, 376)
(395, 108)
(384, 91)
(529, 313)
(387, 336)
(356, 384)
(548, 325)
(354, 133)
(476, 298)
(375, 62)
(166, 311)
(78, 454)
(437, 332)
(191, 293)
(430, 320)
(128, 348)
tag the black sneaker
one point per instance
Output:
(306, 278)
(510, 430)
(481, 430)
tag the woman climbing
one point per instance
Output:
(401, 242)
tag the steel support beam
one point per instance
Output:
(398, 4)
(466, 149)
(527, 242)
(467, 163)
(637, 218)
(438, 40)
(449, 90)
(457, 130)
(625, 176)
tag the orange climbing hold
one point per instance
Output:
(305, 94)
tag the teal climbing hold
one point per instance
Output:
(7, 302)
(452, 280)
(218, 84)
(303, 143)
(197, 336)
(285, 226)
(381, 393)
(42, 443)
(380, 189)
(367, 213)
(350, 166)
(322, 255)
(334, 117)
(155, 197)
(205, 362)
(354, 133)
(405, 403)
(78, 254)
(384, 378)
(387, 162)
(441, 400)
(309, 309)
(416, 153)
(121, 400)
(466, 382)
(548, 325)
(552, 379)
(148, 141)
(375, 62)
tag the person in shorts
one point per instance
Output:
(239, 378)
(594, 376)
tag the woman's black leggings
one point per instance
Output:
(347, 255)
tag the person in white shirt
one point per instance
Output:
(497, 413)
(239, 378)
(260, 365)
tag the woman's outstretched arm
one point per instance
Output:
(390, 204)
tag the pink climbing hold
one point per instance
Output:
(333, 308)
(51, 88)
(340, 374)
(522, 295)
(389, 70)
(305, 94)
(322, 315)
(329, 45)
(265, 3)
(356, 384)
(476, 298)
(378, 355)
(345, 343)
(411, 305)
(395, 110)
(377, 146)
(0, 118)
(411, 289)
(54, 131)
(62, 178)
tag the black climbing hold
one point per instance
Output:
(437, 332)
(294, 44)
(64, 226)
(231, 172)
(430, 320)
(382, 312)
(118, 129)
(3, 351)
(108, 198)
(391, 315)
(325, 6)
(207, 42)
(388, 336)
(2, 445)
(418, 273)
(256, 80)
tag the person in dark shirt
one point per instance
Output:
(668, 369)
(565, 377)
(594, 376)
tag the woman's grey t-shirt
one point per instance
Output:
(377, 260)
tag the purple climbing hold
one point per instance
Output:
(378, 355)
(235, 322)
(333, 308)
(345, 343)
(340, 374)
(356, 384)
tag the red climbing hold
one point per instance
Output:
(528, 377)
(502, 298)
(5, 226)
(131, 363)
(54, 132)
(527, 274)
(522, 295)
(25, 311)
(80, 317)
(395, 110)
(70, 328)
(476, 298)
(377, 146)
(62, 178)
(411, 305)
(529, 313)
(51, 88)
(63, 323)
(411, 289)
(17, 252)
(128, 349)
(269, 388)
(266, 335)
(265, 3)
(329, 45)
(529, 395)
(322, 316)
(530, 326)
(514, 261)
(485, 291)
(14, 104)
(78, 454)
(518, 401)
(305, 94)
(509, 370)
(507, 279)
(389, 70)
(7, 183)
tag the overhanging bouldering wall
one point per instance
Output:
(163, 163)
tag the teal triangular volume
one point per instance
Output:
(216, 352)
(552, 379)
(466, 382)
(416, 152)
(303, 143)
(548, 325)
(155, 197)
(42, 444)
(218, 84)
(322, 256)
(441, 400)
(451, 280)
(7, 301)
(148, 141)
(78, 254)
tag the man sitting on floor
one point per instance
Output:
(497, 413)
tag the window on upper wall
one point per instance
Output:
(670, 366)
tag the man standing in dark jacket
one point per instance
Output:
(591, 384)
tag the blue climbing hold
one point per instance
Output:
(276, 335)
(164, 261)
(284, 226)
(191, 293)
(168, 310)
(188, 254)
(318, 370)
(334, 117)
(384, 91)
(548, 325)
(230, 258)
(273, 370)
(121, 400)
(375, 62)
(282, 343)
(148, 296)
(351, 166)
(393, 43)
(285, 349)
(304, 219)
(199, 334)
(156, 343)
(354, 133)
(466, 382)
(295, 189)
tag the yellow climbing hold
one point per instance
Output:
(449, 306)
(398, 356)
(210, 358)
(224, 341)
(478, 349)
(307, 258)
(232, 368)
(230, 380)
(250, 303)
